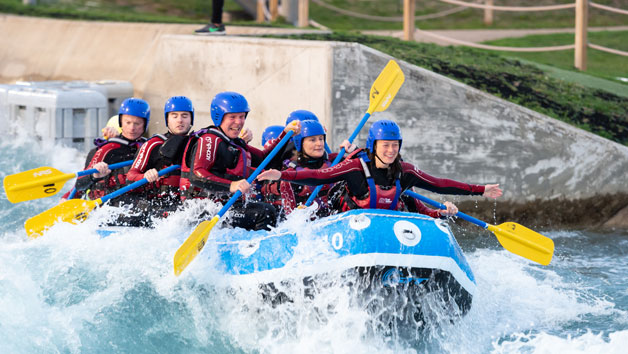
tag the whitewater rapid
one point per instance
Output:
(72, 291)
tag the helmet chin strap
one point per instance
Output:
(377, 156)
(380, 160)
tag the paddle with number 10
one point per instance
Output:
(43, 182)
(76, 210)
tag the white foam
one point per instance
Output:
(58, 292)
(615, 343)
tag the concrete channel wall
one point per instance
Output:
(450, 130)
(454, 130)
(552, 173)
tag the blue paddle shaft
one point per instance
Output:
(327, 149)
(441, 206)
(257, 171)
(139, 183)
(113, 166)
(355, 133)
(72, 193)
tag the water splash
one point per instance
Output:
(73, 291)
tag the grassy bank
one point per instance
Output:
(597, 111)
(601, 64)
(198, 11)
(466, 19)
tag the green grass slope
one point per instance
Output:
(601, 64)
(466, 19)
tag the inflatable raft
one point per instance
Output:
(387, 252)
(388, 248)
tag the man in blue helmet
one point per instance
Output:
(133, 119)
(163, 150)
(221, 161)
(375, 178)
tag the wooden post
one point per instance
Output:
(304, 13)
(274, 9)
(580, 53)
(488, 13)
(408, 19)
(260, 11)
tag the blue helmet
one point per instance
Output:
(135, 107)
(308, 128)
(301, 115)
(228, 102)
(383, 130)
(178, 104)
(271, 132)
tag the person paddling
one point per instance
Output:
(133, 119)
(376, 177)
(217, 163)
(161, 151)
(310, 147)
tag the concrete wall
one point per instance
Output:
(162, 60)
(276, 76)
(455, 131)
(450, 129)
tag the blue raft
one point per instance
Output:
(386, 249)
(389, 252)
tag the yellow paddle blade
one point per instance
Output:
(73, 211)
(193, 245)
(34, 184)
(524, 242)
(385, 87)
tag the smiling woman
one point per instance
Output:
(375, 177)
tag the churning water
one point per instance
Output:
(72, 291)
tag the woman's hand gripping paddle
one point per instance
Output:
(77, 210)
(382, 93)
(43, 182)
(515, 238)
(197, 239)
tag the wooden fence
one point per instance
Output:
(581, 9)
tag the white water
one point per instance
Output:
(71, 292)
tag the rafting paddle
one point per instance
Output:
(75, 210)
(382, 93)
(43, 182)
(193, 245)
(515, 238)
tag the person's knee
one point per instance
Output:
(265, 216)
